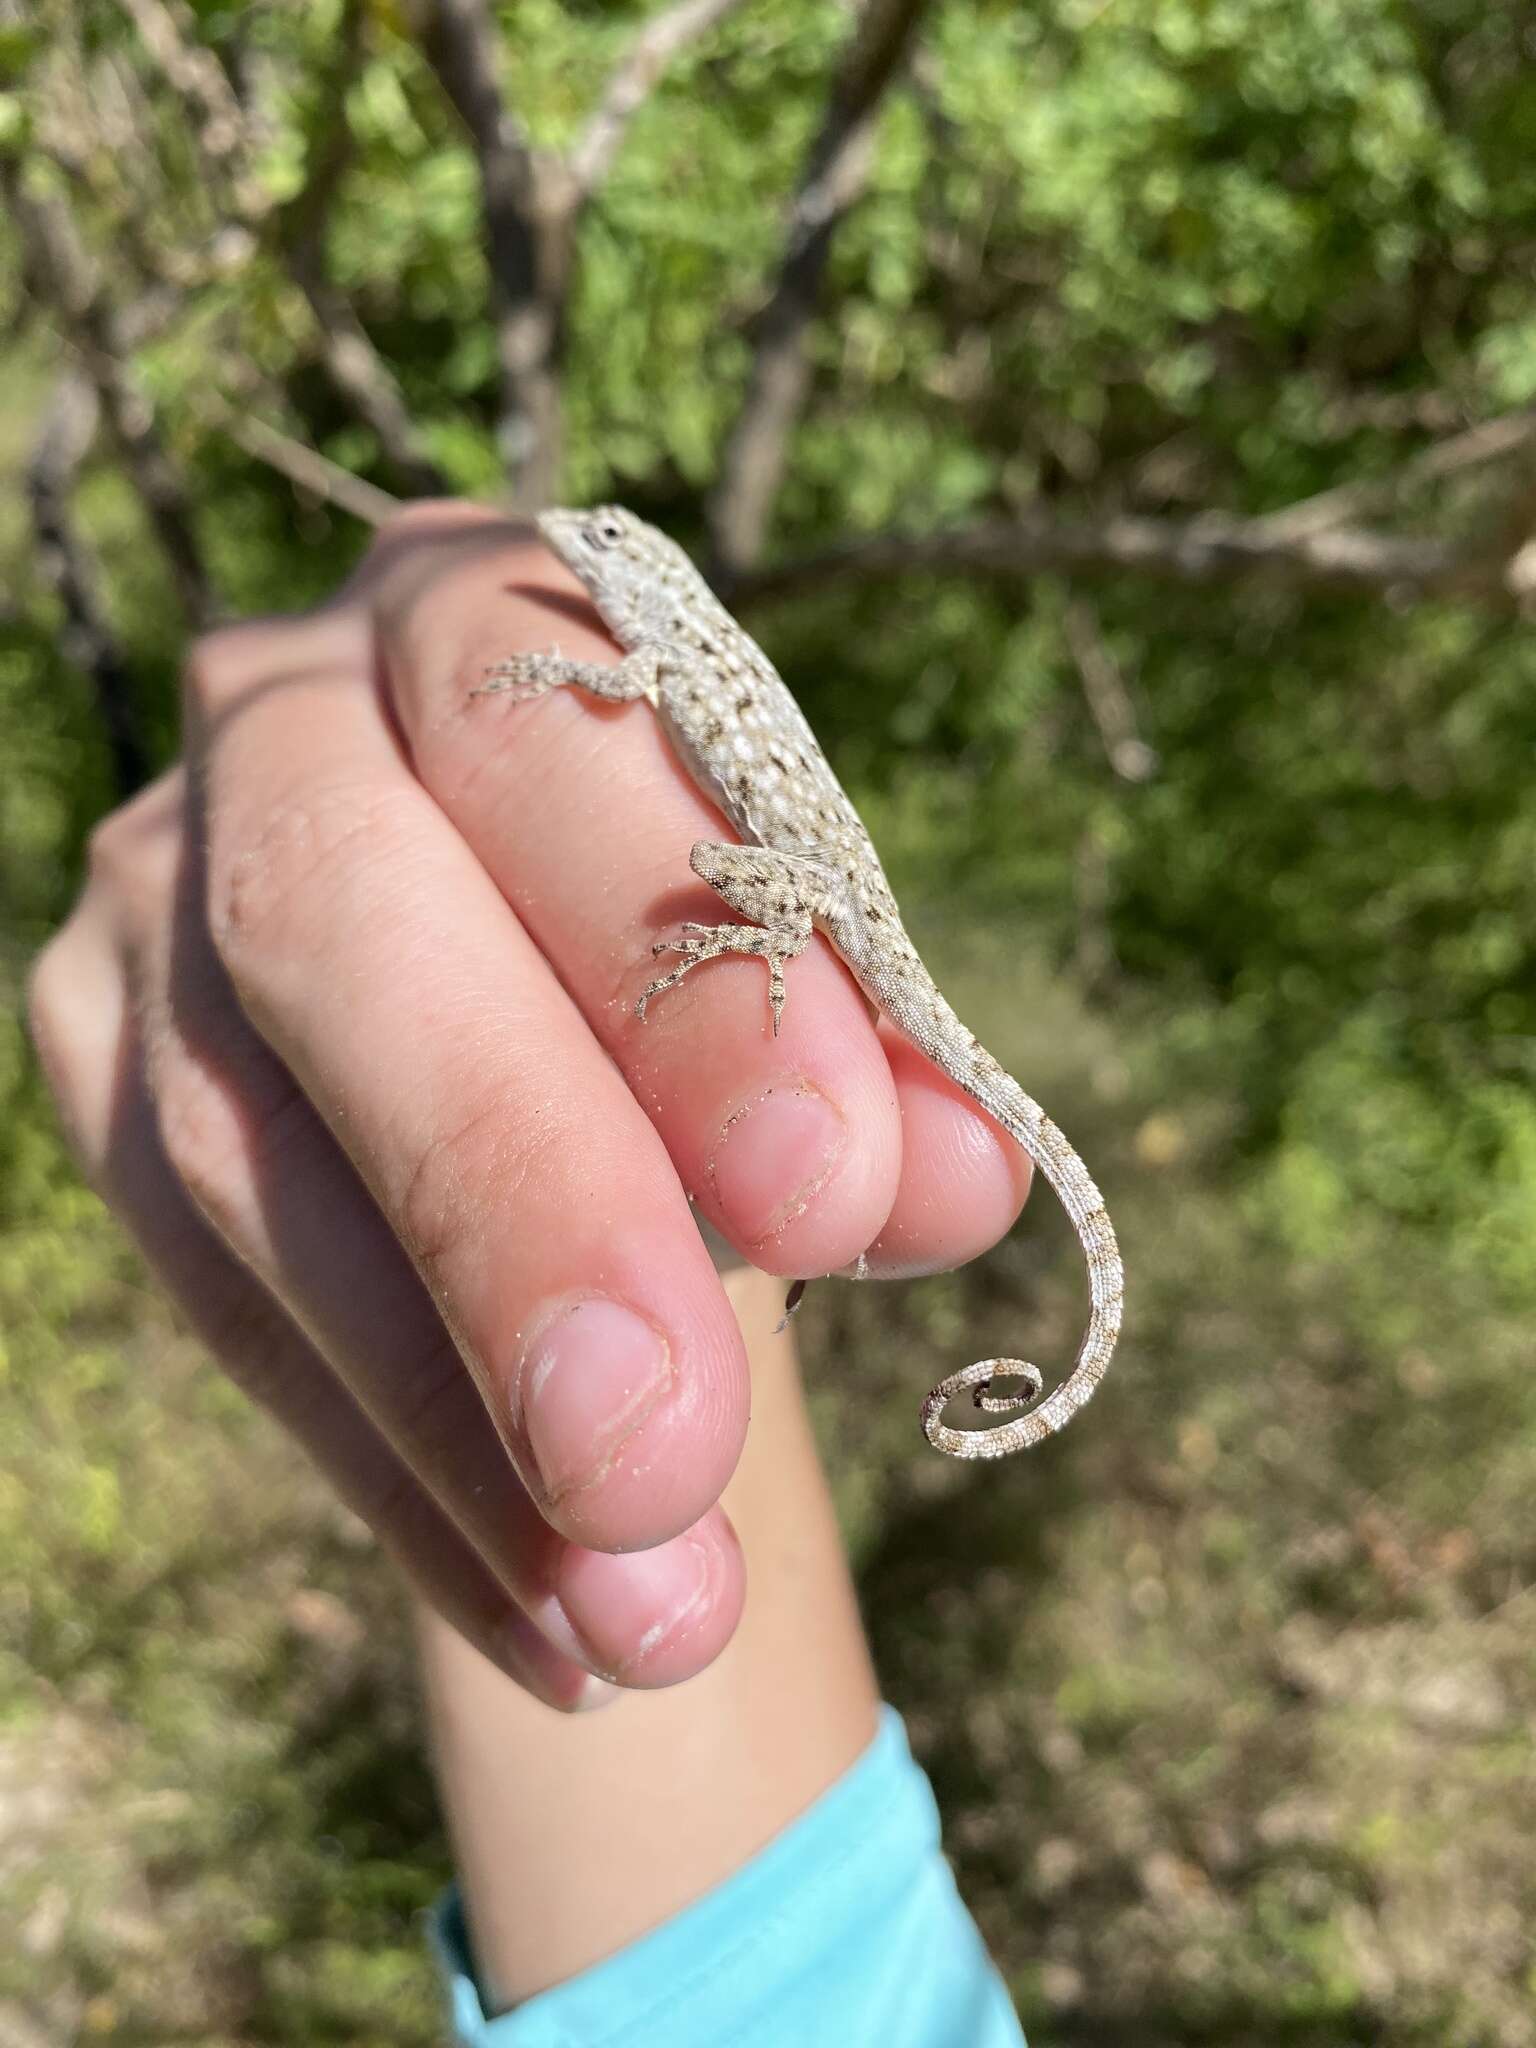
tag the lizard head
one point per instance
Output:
(638, 579)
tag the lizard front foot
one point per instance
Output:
(522, 677)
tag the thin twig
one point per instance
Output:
(359, 373)
(1490, 441)
(835, 173)
(1212, 548)
(303, 465)
(221, 131)
(362, 377)
(192, 71)
(632, 81)
(1108, 700)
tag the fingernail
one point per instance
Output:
(589, 1380)
(625, 1607)
(774, 1154)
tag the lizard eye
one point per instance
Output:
(606, 530)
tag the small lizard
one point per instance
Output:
(807, 864)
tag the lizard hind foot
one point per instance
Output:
(979, 1378)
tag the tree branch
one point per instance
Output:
(632, 81)
(69, 569)
(834, 175)
(532, 201)
(1108, 700)
(221, 129)
(221, 136)
(71, 284)
(360, 374)
(1211, 548)
(365, 381)
(1490, 441)
(304, 466)
(529, 219)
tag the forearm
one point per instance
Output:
(575, 1834)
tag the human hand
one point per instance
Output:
(343, 1027)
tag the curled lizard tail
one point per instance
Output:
(1024, 1120)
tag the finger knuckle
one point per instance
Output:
(48, 1011)
(297, 863)
(201, 1135)
(444, 1196)
(227, 1138)
(135, 845)
(474, 1173)
(219, 664)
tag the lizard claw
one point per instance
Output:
(792, 1301)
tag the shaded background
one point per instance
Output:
(1115, 418)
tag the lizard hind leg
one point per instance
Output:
(765, 886)
(714, 942)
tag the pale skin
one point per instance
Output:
(343, 1027)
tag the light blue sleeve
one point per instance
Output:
(846, 1929)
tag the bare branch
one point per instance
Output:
(1211, 548)
(304, 466)
(72, 286)
(465, 39)
(1109, 701)
(357, 370)
(223, 140)
(69, 568)
(529, 222)
(1350, 411)
(221, 131)
(1489, 441)
(1094, 956)
(330, 146)
(362, 377)
(834, 175)
(631, 83)
(193, 73)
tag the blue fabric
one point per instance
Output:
(846, 1929)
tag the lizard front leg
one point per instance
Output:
(782, 893)
(526, 676)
